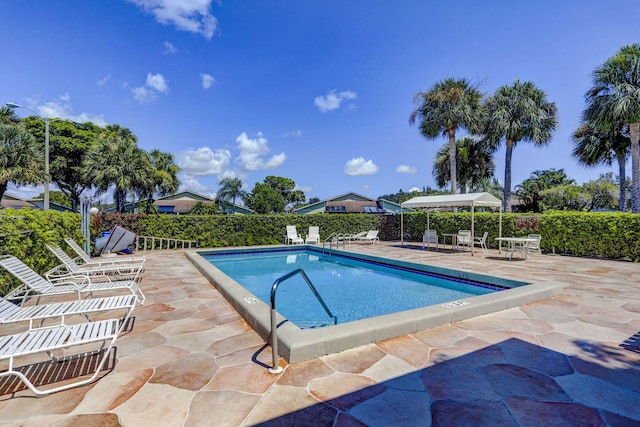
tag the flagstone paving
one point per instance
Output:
(191, 360)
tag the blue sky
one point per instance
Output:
(316, 91)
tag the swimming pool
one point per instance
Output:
(297, 344)
(353, 289)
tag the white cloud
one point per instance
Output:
(204, 161)
(169, 48)
(157, 82)
(104, 80)
(253, 152)
(360, 166)
(333, 99)
(207, 80)
(292, 133)
(406, 169)
(62, 109)
(193, 16)
(189, 182)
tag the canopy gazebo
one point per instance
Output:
(469, 200)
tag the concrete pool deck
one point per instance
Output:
(190, 359)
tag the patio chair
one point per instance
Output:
(313, 236)
(481, 241)
(464, 239)
(57, 338)
(535, 247)
(13, 313)
(293, 238)
(430, 236)
(35, 285)
(86, 258)
(69, 266)
(371, 236)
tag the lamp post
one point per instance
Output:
(46, 151)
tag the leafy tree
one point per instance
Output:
(201, 208)
(21, 157)
(69, 143)
(448, 106)
(164, 177)
(284, 186)
(568, 197)
(264, 199)
(314, 200)
(474, 162)
(488, 185)
(519, 112)
(529, 190)
(58, 197)
(595, 145)
(231, 190)
(117, 161)
(604, 192)
(615, 99)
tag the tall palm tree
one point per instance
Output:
(164, 178)
(519, 112)
(20, 158)
(615, 98)
(118, 162)
(474, 162)
(230, 190)
(448, 106)
(593, 146)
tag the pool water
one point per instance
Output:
(352, 289)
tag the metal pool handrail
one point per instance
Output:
(334, 237)
(276, 369)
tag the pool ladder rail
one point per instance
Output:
(334, 238)
(276, 369)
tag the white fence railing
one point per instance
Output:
(148, 243)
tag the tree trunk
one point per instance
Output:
(634, 129)
(622, 181)
(452, 160)
(507, 176)
(3, 188)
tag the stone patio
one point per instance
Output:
(190, 359)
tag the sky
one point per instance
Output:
(316, 91)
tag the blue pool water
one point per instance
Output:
(352, 289)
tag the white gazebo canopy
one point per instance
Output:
(469, 200)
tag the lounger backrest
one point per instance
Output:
(26, 275)
(62, 256)
(372, 234)
(7, 309)
(291, 231)
(77, 249)
(314, 230)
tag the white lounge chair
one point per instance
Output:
(293, 238)
(430, 236)
(35, 285)
(86, 258)
(49, 339)
(69, 266)
(481, 241)
(464, 239)
(371, 236)
(13, 313)
(314, 235)
(534, 247)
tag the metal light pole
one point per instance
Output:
(46, 151)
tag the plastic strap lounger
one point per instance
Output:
(12, 313)
(34, 284)
(128, 270)
(46, 340)
(101, 261)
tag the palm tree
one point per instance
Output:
(164, 179)
(448, 106)
(519, 112)
(20, 158)
(117, 161)
(474, 162)
(615, 98)
(230, 190)
(600, 146)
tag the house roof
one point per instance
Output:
(15, 202)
